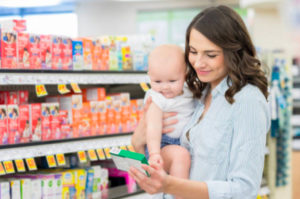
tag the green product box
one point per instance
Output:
(124, 159)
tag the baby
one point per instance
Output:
(167, 70)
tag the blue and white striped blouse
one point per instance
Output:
(227, 146)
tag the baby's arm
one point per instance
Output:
(153, 134)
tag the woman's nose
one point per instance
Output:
(199, 62)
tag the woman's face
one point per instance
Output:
(207, 59)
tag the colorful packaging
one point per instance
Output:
(2, 97)
(23, 97)
(78, 63)
(57, 53)
(66, 131)
(15, 189)
(36, 184)
(89, 183)
(97, 183)
(67, 55)
(68, 183)
(24, 123)
(85, 120)
(102, 117)
(34, 52)
(4, 190)
(126, 58)
(26, 188)
(11, 97)
(46, 122)
(36, 121)
(14, 136)
(80, 182)
(23, 50)
(3, 125)
(8, 50)
(95, 128)
(46, 51)
(17, 25)
(55, 121)
(94, 94)
(97, 64)
(88, 49)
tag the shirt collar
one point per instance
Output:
(221, 88)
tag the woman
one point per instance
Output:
(227, 134)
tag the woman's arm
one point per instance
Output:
(159, 181)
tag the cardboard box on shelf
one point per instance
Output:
(34, 51)
(3, 125)
(14, 136)
(23, 50)
(78, 63)
(36, 121)
(46, 122)
(46, 51)
(67, 54)
(57, 53)
(8, 50)
(24, 123)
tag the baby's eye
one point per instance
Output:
(173, 80)
(157, 82)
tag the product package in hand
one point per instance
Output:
(124, 159)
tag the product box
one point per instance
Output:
(110, 116)
(34, 52)
(11, 97)
(46, 51)
(80, 182)
(36, 121)
(57, 185)
(26, 188)
(104, 183)
(57, 53)
(85, 120)
(93, 94)
(66, 131)
(23, 97)
(78, 63)
(17, 25)
(89, 183)
(15, 189)
(23, 50)
(97, 63)
(124, 159)
(36, 184)
(8, 50)
(95, 128)
(24, 123)
(97, 182)
(117, 118)
(2, 97)
(46, 122)
(126, 58)
(48, 188)
(67, 54)
(88, 49)
(3, 125)
(4, 190)
(68, 183)
(55, 124)
(101, 107)
(14, 135)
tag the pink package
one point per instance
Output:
(46, 131)
(23, 50)
(34, 51)
(56, 53)
(3, 125)
(67, 54)
(14, 135)
(46, 51)
(8, 50)
(2, 97)
(36, 121)
(66, 131)
(24, 124)
(11, 97)
(130, 182)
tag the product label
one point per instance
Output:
(2, 171)
(82, 157)
(60, 159)
(40, 90)
(75, 88)
(51, 161)
(31, 164)
(9, 167)
(92, 155)
(20, 165)
(101, 154)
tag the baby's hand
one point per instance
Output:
(156, 159)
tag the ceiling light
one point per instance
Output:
(28, 3)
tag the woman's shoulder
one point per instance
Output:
(249, 93)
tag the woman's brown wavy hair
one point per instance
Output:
(225, 28)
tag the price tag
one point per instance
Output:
(31, 164)
(51, 161)
(144, 86)
(130, 148)
(41, 90)
(60, 159)
(106, 151)
(123, 147)
(92, 155)
(75, 88)
(101, 154)
(20, 165)
(2, 171)
(82, 157)
(62, 89)
(9, 167)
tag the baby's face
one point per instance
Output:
(167, 79)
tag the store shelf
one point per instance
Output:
(39, 149)
(296, 103)
(25, 77)
(122, 191)
(296, 144)
(295, 120)
(296, 80)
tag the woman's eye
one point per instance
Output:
(211, 56)
(193, 52)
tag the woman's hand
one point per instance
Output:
(155, 183)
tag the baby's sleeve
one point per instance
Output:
(157, 98)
